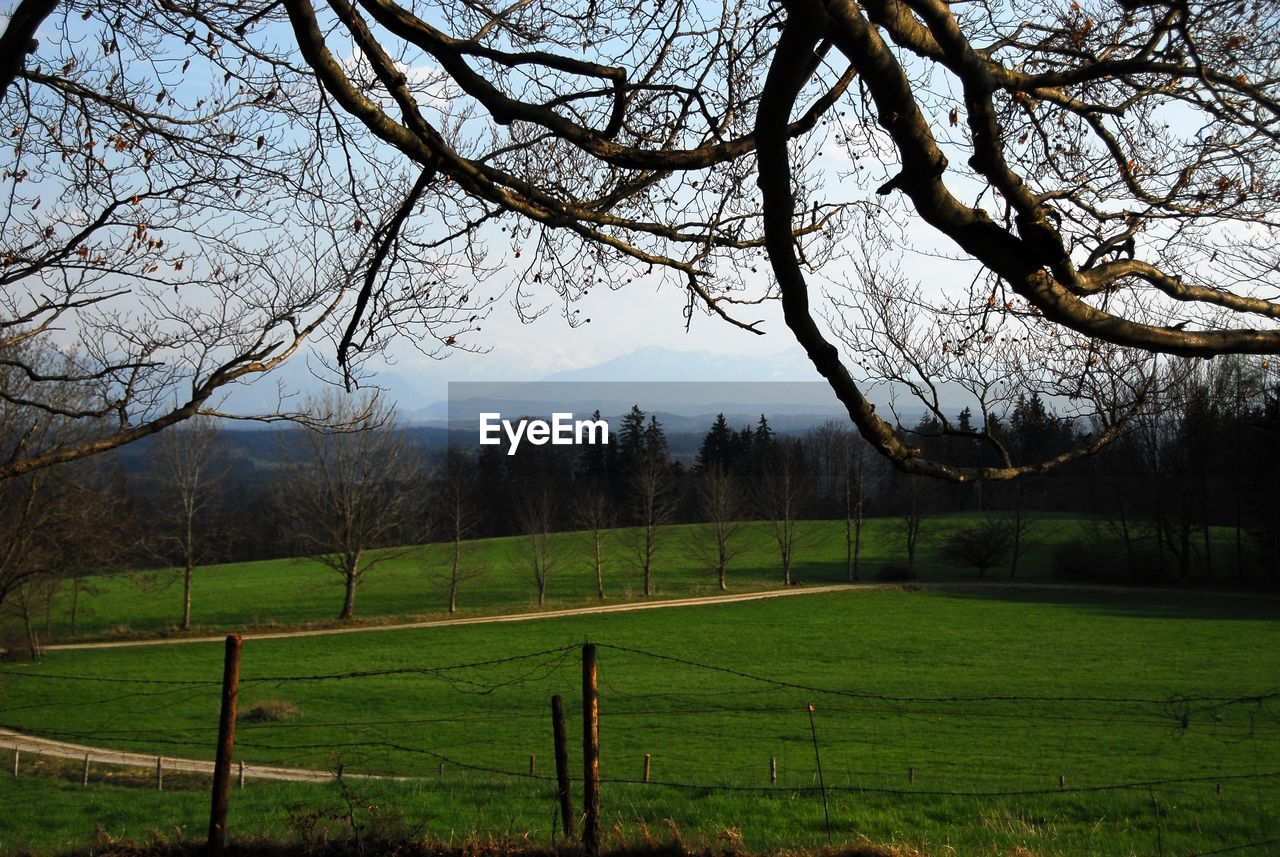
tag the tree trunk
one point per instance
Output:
(349, 603)
(784, 550)
(1184, 549)
(19, 34)
(599, 567)
(649, 536)
(75, 602)
(858, 522)
(1016, 550)
(48, 611)
(453, 575)
(33, 642)
(186, 597)
(851, 562)
(190, 564)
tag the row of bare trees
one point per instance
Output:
(339, 488)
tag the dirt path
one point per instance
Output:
(11, 740)
(484, 620)
(674, 602)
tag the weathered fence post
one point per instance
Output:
(590, 753)
(562, 769)
(241, 783)
(822, 785)
(911, 775)
(1062, 782)
(15, 761)
(159, 774)
(84, 781)
(648, 757)
(226, 743)
(533, 764)
(773, 770)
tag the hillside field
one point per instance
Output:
(1065, 722)
(409, 585)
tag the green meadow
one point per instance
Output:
(966, 721)
(408, 584)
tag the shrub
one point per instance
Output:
(895, 573)
(1107, 562)
(981, 546)
(269, 711)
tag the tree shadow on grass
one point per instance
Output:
(1130, 602)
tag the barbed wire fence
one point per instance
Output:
(718, 750)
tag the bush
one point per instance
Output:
(981, 546)
(895, 573)
(270, 711)
(1073, 561)
(1107, 562)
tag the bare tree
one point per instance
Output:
(346, 491)
(54, 523)
(455, 503)
(720, 501)
(855, 504)
(783, 492)
(596, 515)
(1020, 525)
(536, 512)
(190, 467)
(911, 518)
(979, 546)
(652, 500)
(182, 212)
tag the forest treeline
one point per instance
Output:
(1189, 493)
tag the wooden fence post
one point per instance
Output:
(241, 783)
(533, 764)
(159, 774)
(84, 781)
(773, 770)
(590, 753)
(562, 769)
(226, 743)
(648, 757)
(911, 775)
(822, 784)
(15, 761)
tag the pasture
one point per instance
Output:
(409, 585)
(965, 721)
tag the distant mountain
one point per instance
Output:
(657, 364)
(687, 389)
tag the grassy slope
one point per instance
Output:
(715, 728)
(294, 591)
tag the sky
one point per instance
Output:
(634, 326)
(622, 322)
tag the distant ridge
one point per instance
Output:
(658, 364)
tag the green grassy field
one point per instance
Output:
(301, 591)
(1144, 704)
